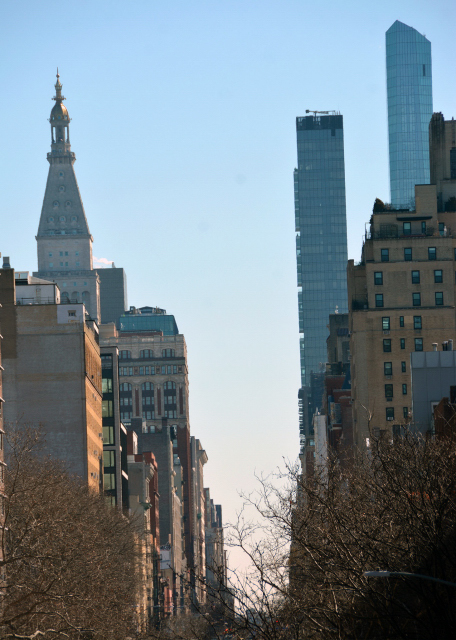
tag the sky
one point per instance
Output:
(183, 124)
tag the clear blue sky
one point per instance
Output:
(183, 124)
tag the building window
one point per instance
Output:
(407, 228)
(61, 253)
(106, 385)
(442, 228)
(170, 399)
(146, 353)
(77, 264)
(401, 321)
(387, 346)
(148, 400)
(108, 435)
(417, 322)
(378, 277)
(379, 299)
(418, 344)
(106, 409)
(388, 368)
(386, 324)
(403, 367)
(423, 227)
(404, 389)
(438, 276)
(385, 255)
(402, 343)
(124, 355)
(390, 413)
(168, 353)
(438, 298)
(415, 277)
(126, 400)
(432, 253)
(388, 390)
(50, 255)
(408, 254)
(405, 412)
(416, 297)
(61, 264)
(51, 264)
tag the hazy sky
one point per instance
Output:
(183, 124)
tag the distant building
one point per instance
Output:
(433, 378)
(402, 300)
(409, 91)
(64, 240)
(113, 293)
(115, 467)
(153, 377)
(52, 376)
(321, 246)
(2, 444)
(442, 141)
(144, 504)
(199, 459)
(219, 596)
(162, 441)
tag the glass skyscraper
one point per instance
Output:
(409, 91)
(321, 239)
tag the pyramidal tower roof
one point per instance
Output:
(63, 212)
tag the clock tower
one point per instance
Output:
(64, 239)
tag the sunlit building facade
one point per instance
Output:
(409, 91)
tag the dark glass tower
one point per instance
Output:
(321, 239)
(409, 90)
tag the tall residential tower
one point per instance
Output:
(321, 239)
(409, 91)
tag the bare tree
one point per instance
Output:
(314, 538)
(68, 559)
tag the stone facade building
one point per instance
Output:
(52, 377)
(402, 298)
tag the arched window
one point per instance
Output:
(146, 353)
(75, 297)
(65, 297)
(168, 353)
(126, 401)
(125, 355)
(148, 401)
(170, 399)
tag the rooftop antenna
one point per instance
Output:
(326, 113)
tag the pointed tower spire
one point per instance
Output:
(58, 89)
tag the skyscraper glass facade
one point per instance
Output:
(321, 238)
(409, 91)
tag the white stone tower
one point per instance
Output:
(64, 239)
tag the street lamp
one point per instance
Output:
(405, 574)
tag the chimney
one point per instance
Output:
(434, 346)
(450, 345)
(6, 262)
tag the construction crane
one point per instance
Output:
(325, 113)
